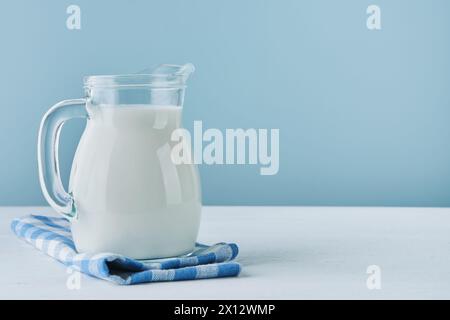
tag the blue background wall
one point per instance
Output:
(364, 116)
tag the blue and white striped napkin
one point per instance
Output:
(52, 235)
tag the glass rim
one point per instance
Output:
(135, 80)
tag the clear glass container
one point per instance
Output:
(126, 194)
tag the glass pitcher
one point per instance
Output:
(126, 195)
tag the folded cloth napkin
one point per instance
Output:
(52, 235)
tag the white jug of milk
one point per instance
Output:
(125, 195)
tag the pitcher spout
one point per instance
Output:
(173, 70)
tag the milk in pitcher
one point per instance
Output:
(135, 193)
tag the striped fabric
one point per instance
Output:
(52, 235)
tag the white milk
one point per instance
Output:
(126, 188)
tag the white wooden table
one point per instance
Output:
(286, 253)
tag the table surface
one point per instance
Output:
(285, 252)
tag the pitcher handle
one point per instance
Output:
(48, 140)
